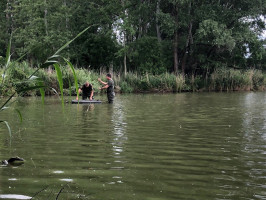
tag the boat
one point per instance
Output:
(85, 101)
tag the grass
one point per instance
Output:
(220, 80)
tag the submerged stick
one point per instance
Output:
(39, 192)
(60, 191)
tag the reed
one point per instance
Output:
(222, 79)
(234, 80)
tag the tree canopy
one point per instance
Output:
(139, 35)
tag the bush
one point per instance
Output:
(125, 87)
(257, 79)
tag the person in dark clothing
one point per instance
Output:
(109, 85)
(87, 91)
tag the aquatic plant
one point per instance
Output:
(32, 82)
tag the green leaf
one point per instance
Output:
(54, 91)
(8, 127)
(48, 63)
(8, 57)
(4, 108)
(7, 101)
(53, 56)
(60, 81)
(74, 74)
(69, 42)
(41, 85)
(19, 114)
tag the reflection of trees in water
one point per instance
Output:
(117, 140)
(119, 129)
(254, 119)
(254, 138)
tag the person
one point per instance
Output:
(87, 91)
(109, 85)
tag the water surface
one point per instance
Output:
(143, 147)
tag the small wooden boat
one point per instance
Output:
(85, 101)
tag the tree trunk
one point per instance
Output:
(125, 38)
(157, 21)
(176, 52)
(184, 60)
(125, 64)
(67, 19)
(8, 17)
(140, 29)
(45, 17)
(111, 68)
(175, 46)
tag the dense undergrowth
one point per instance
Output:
(220, 80)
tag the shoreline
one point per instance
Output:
(220, 80)
(151, 92)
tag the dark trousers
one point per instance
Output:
(110, 97)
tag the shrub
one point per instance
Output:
(125, 87)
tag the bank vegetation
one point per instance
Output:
(221, 79)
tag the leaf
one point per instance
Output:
(60, 81)
(19, 114)
(53, 56)
(8, 55)
(33, 77)
(41, 85)
(74, 74)
(4, 108)
(48, 63)
(54, 91)
(7, 101)
(69, 42)
(8, 127)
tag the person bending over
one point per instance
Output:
(87, 91)
(109, 85)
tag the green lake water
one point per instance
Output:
(143, 147)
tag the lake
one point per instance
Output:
(143, 147)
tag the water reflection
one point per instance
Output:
(174, 146)
(119, 139)
(254, 138)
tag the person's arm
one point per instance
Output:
(104, 83)
(104, 87)
(79, 91)
(91, 95)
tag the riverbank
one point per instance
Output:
(220, 80)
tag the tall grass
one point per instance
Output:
(234, 80)
(220, 80)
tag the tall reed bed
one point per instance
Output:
(235, 80)
(220, 80)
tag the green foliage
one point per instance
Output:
(206, 34)
(125, 87)
(215, 34)
(60, 81)
(147, 56)
(221, 79)
(228, 79)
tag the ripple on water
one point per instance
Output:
(185, 146)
